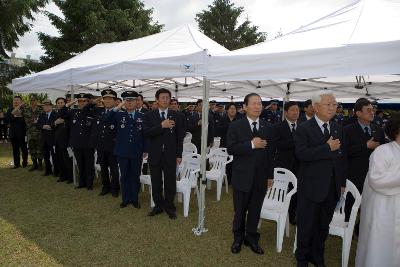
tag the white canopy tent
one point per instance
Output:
(360, 39)
(181, 52)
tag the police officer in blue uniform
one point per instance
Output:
(339, 117)
(81, 121)
(130, 146)
(272, 114)
(103, 140)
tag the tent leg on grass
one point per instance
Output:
(200, 229)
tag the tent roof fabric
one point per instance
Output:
(178, 52)
(361, 38)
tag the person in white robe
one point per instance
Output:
(379, 237)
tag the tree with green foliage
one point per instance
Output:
(90, 22)
(16, 18)
(220, 22)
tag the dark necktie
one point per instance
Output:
(163, 115)
(293, 128)
(366, 131)
(255, 131)
(326, 131)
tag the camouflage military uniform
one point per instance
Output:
(32, 132)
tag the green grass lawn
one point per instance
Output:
(44, 223)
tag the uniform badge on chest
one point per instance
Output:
(112, 126)
(122, 126)
(73, 121)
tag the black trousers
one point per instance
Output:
(18, 143)
(109, 171)
(85, 160)
(47, 151)
(167, 201)
(313, 219)
(64, 163)
(249, 203)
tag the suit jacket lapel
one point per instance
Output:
(315, 125)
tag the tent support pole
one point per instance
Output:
(76, 183)
(200, 229)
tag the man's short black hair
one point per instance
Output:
(247, 97)
(174, 100)
(307, 103)
(290, 104)
(379, 112)
(162, 91)
(18, 96)
(363, 102)
(140, 96)
(392, 127)
(65, 101)
(199, 101)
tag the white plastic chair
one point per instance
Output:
(276, 203)
(145, 179)
(189, 148)
(188, 179)
(344, 229)
(187, 138)
(218, 159)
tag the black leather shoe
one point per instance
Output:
(123, 205)
(16, 167)
(24, 164)
(254, 247)
(69, 182)
(114, 194)
(90, 188)
(47, 174)
(80, 187)
(59, 181)
(171, 215)
(236, 248)
(136, 204)
(154, 212)
(103, 193)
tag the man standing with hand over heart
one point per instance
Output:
(321, 178)
(251, 142)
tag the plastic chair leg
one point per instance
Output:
(345, 252)
(219, 189)
(186, 201)
(287, 226)
(152, 204)
(226, 183)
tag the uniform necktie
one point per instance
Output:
(255, 131)
(326, 131)
(293, 128)
(163, 115)
(367, 134)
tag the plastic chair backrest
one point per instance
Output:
(340, 214)
(276, 195)
(217, 158)
(191, 162)
(217, 142)
(189, 148)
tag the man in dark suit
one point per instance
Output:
(308, 111)
(61, 136)
(194, 126)
(251, 142)
(285, 152)
(17, 132)
(321, 178)
(45, 122)
(139, 104)
(362, 138)
(165, 132)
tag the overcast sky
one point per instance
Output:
(271, 16)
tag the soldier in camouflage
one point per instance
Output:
(31, 115)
